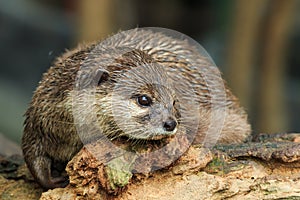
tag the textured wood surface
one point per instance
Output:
(268, 168)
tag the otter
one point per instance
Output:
(139, 82)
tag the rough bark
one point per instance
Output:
(268, 168)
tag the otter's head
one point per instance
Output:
(143, 98)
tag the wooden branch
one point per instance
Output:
(268, 168)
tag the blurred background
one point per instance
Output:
(255, 44)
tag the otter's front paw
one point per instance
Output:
(57, 182)
(42, 171)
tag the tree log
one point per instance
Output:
(267, 168)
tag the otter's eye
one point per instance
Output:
(144, 100)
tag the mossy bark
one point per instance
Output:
(268, 168)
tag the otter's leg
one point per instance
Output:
(41, 170)
(38, 162)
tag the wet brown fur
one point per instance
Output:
(50, 134)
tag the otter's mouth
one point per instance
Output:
(165, 134)
(160, 137)
(152, 135)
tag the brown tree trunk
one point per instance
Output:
(272, 111)
(246, 19)
(95, 19)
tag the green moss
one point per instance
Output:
(117, 178)
(215, 166)
(220, 166)
(119, 173)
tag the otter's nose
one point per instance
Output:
(170, 125)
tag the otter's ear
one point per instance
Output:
(90, 78)
(101, 76)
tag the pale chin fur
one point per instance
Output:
(155, 134)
